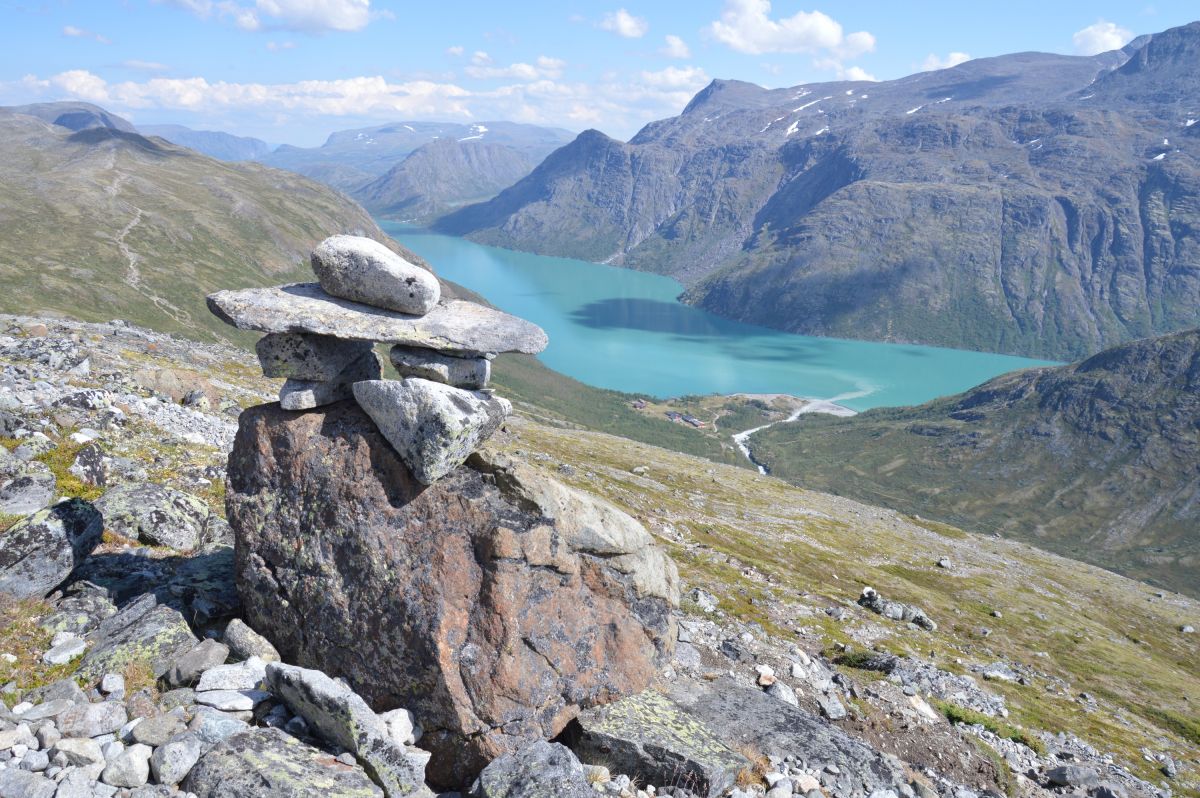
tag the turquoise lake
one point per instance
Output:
(621, 329)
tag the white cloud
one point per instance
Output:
(746, 26)
(455, 50)
(675, 47)
(480, 58)
(144, 66)
(857, 73)
(617, 103)
(311, 16)
(1100, 37)
(277, 47)
(622, 23)
(545, 67)
(80, 33)
(932, 61)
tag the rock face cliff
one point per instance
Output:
(1099, 460)
(1033, 204)
(494, 603)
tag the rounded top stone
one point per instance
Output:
(364, 270)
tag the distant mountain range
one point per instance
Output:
(1033, 204)
(1099, 461)
(213, 143)
(99, 222)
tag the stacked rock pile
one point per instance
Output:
(321, 338)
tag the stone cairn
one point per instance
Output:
(321, 337)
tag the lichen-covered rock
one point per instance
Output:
(895, 610)
(144, 631)
(648, 735)
(245, 643)
(266, 763)
(492, 604)
(27, 493)
(539, 770)
(40, 551)
(340, 716)
(471, 373)
(363, 270)
(307, 394)
(155, 514)
(299, 356)
(434, 427)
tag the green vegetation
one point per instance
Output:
(23, 638)
(59, 460)
(1095, 461)
(956, 714)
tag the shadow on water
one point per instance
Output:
(645, 315)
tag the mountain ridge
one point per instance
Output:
(822, 208)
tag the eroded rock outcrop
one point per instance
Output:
(494, 603)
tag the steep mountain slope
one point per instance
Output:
(73, 115)
(1032, 204)
(103, 223)
(213, 143)
(350, 158)
(1099, 460)
(442, 174)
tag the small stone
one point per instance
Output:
(91, 465)
(400, 725)
(471, 373)
(766, 675)
(307, 394)
(79, 751)
(111, 683)
(232, 700)
(246, 675)
(65, 652)
(245, 643)
(92, 720)
(156, 731)
(783, 693)
(23, 784)
(34, 761)
(186, 669)
(433, 427)
(944, 563)
(1187, 629)
(172, 761)
(300, 356)
(131, 768)
(47, 710)
(1072, 776)
(211, 726)
(363, 270)
(831, 707)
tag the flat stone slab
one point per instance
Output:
(307, 357)
(471, 373)
(307, 394)
(456, 326)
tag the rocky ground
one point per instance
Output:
(136, 677)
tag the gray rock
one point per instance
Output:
(17, 783)
(307, 394)
(61, 690)
(92, 720)
(305, 308)
(185, 669)
(156, 731)
(155, 514)
(91, 465)
(299, 356)
(831, 706)
(27, 494)
(433, 427)
(742, 716)
(172, 761)
(687, 656)
(1000, 672)
(211, 726)
(267, 763)
(130, 768)
(1072, 776)
(539, 770)
(51, 709)
(471, 373)
(340, 716)
(363, 270)
(65, 651)
(79, 783)
(112, 683)
(246, 675)
(34, 761)
(232, 700)
(894, 610)
(79, 751)
(782, 692)
(144, 630)
(245, 643)
(40, 551)
(401, 726)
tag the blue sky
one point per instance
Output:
(295, 70)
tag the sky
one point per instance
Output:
(293, 71)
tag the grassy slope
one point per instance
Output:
(1083, 628)
(1097, 461)
(75, 209)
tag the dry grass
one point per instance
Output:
(22, 638)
